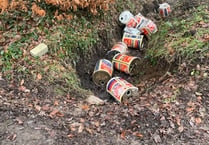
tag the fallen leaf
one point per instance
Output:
(54, 112)
(139, 135)
(89, 130)
(190, 109)
(56, 103)
(22, 82)
(85, 107)
(181, 128)
(80, 129)
(39, 77)
(198, 120)
(37, 107)
(60, 114)
(45, 108)
(72, 129)
(70, 135)
(178, 121)
(123, 134)
(97, 124)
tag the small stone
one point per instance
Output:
(39, 50)
(94, 100)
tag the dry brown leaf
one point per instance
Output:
(89, 130)
(56, 103)
(181, 128)
(54, 112)
(139, 135)
(37, 107)
(45, 108)
(198, 120)
(85, 107)
(70, 135)
(123, 134)
(80, 129)
(22, 82)
(97, 124)
(39, 77)
(60, 114)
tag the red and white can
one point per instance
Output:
(103, 72)
(127, 64)
(164, 10)
(133, 40)
(120, 89)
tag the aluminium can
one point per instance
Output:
(164, 10)
(120, 89)
(128, 64)
(103, 72)
(133, 40)
(126, 17)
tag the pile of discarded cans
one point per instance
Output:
(138, 29)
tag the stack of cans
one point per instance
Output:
(137, 30)
(137, 25)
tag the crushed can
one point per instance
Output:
(164, 10)
(126, 17)
(140, 19)
(120, 89)
(103, 72)
(149, 27)
(133, 40)
(128, 64)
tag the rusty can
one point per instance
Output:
(133, 40)
(140, 19)
(149, 27)
(120, 89)
(164, 10)
(102, 72)
(127, 64)
(126, 17)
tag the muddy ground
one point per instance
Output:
(171, 108)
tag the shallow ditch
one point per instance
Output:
(149, 69)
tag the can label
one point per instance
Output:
(104, 65)
(132, 22)
(117, 87)
(133, 40)
(122, 62)
(120, 47)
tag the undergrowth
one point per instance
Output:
(182, 39)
